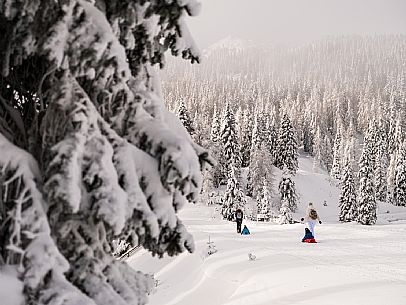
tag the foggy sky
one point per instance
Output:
(295, 21)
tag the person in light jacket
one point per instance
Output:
(311, 218)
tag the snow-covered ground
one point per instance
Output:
(351, 264)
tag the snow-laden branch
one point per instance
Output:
(30, 239)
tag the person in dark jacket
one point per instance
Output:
(308, 238)
(238, 217)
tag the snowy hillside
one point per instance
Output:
(351, 264)
(230, 43)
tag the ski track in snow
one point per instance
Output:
(351, 264)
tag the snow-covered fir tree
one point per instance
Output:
(327, 153)
(264, 201)
(215, 127)
(366, 194)
(184, 117)
(86, 152)
(372, 141)
(256, 138)
(381, 163)
(285, 213)
(337, 157)
(379, 178)
(348, 197)
(208, 187)
(308, 137)
(230, 150)
(287, 146)
(399, 196)
(287, 191)
(390, 178)
(246, 138)
(318, 151)
(260, 167)
(234, 197)
(273, 140)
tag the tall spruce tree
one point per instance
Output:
(264, 201)
(381, 163)
(399, 196)
(308, 140)
(184, 117)
(256, 138)
(366, 194)
(287, 191)
(391, 178)
(260, 167)
(234, 197)
(230, 153)
(86, 154)
(246, 138)
(379, 178)
(287, 147)
(285, 213)
(318, 151)
(273, 140)
(348, 197)
(337, 151)
(215, 127)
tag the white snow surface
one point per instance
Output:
(11, 289)
(351, 264)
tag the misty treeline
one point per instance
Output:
(88, 152)
(345, 98)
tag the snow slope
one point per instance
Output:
(351, 264)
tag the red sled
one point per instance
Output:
(310, 241)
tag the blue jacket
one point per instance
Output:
(308, 234)
(245, 231)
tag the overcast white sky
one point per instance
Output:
(295, 21)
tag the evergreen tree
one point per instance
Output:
(86, 154)
(327, 153)
(233, 197)
(287, 191)
(230, 153)
(260, 167)
(318, 151)
(399, 196)
(184, 117)
(390, 178)
(287, 147)
(366, 195)
(206, 197)
(372, 141)
(264, 201)
(285, 213)
(395, 134)
(379, 178)
(381, 163)
(337, 149)
(246, 138)
(256, 138)
(273, 141)
(308, 139)
(215, 127)
(348, 198)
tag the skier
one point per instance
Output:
(311, 218)
(238, 217)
